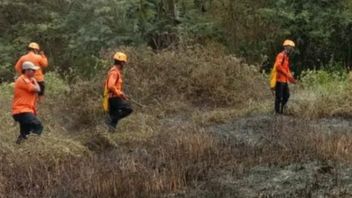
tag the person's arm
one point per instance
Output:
(113, 77)
(29, 85)
(291, 78)
(43, 60)
(18, 66)
(34, 85)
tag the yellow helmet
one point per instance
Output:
(34, 45)
(119, 56)
(289, 43)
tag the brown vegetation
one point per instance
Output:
(168, 148)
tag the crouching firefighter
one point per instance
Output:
(281, 76)
(114, 99)
(25, 101)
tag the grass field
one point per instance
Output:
(206, 130)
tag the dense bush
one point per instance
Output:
(321, 30)
(76, 33)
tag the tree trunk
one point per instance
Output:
(172, 10)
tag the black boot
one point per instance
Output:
(21, 138)
(110, 124)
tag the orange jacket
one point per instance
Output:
(282, 64)
(114, 83)
(36, 59)
(25, 96)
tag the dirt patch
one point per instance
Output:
(333, 125)
(257, 130)
(310, 178)
(296, 180)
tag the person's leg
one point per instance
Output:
(285, 96)
(24, 127)
(24, 132)
(113, 112)
(31, 123)
(118, 109)
(278, 97)
(35, 124)
(125, 109)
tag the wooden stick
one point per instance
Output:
(137, 103)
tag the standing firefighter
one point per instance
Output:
(281, 75)
(115, 100)
(37, 57)
(25, 100)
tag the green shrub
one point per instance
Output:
(322, 94)
(323, 80)
(55, 85)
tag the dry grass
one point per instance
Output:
(171, 161)
(161, 165)
(163, 149)
(157, 150)
(201, 75)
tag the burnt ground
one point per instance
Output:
(309, 178)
